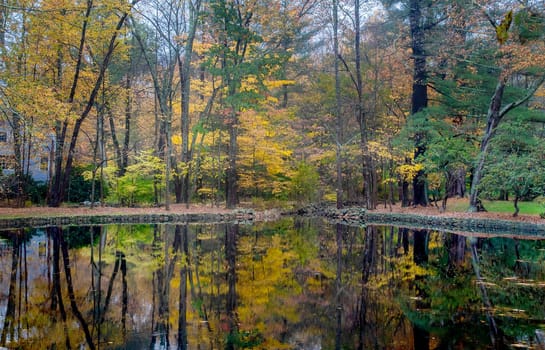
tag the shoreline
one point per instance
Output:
(469, 224)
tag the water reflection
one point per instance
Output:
(296, 284)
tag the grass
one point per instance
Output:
(529, 208)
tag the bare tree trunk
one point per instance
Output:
(18, 151)
(232, 183)
(338, 118)
(128, 117)
(369, 183)
(3, 23)
(115, 143)
(492, 120)
(185, 82)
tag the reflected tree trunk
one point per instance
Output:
(367, 261)
(456, 245)
(403, 239)
(71, 294)
(162, 277)
(56, 293)
(95, 277)
(420, 252)
(339, 287)
(182, 307)
(118, 257)
(495, 333)
(420, 258)
(161, 288)
(8, 330)
(231, 233)
(124, 295)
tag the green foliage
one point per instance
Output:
(80, 186)
(244, 65)
(513, 269)
(305, 183)
(528, 25)
(131, 236)
(80, 236)
(447, 150)
(32, 190)
(142, 182)
(516, 163)
(245, 339)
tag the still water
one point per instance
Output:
(291, 284)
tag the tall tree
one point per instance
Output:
(520, 57)
(420, 89)
(63, 167)
(170, 24)
(337, 110)
(184, 64)
(242, 65)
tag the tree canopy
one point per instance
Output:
(241, 100)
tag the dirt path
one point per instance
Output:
(81, 211)
(208, 209)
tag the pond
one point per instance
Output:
(296, 283)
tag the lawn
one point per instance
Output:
(530, 208)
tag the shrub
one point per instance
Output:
(305, 182)
(31, 189)
(80, 187)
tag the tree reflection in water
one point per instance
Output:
(296, 283)
(11, 328)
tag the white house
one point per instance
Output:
(37, 159)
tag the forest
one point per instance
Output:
(150, 102)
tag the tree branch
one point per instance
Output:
(529, 95)
(348, 70)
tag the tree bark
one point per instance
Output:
(3, 23)
(185, 82)
(516, 204)
(492, 120)
(232, 183)
(115, 143)
(338, 119)
(494, 116)
(127, 137)
(369, 185)
(419, 98)
(62, 177)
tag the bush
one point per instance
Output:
(305, 182)
(142, 184)
(31, 189)
(80, 187)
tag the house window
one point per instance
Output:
(44, 163)
(3, 136)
